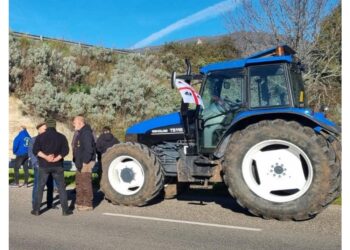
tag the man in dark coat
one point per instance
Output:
(20, 149)
(41, 127)
(104, 141)
(84, 156)
(51, 147)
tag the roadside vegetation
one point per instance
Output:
(69, 177)
(60, 80)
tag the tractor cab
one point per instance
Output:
(268, 80)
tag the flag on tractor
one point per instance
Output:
(188, 93)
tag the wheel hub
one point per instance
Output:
(127, 175)
(278, 170)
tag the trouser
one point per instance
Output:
(49, 186)
(21, 160)
(99, 172)
(58, 175)
(84, 194)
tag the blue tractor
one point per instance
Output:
(278, 158)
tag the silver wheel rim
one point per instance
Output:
(126, 175)
(277, 170)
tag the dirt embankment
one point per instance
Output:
(17, 118)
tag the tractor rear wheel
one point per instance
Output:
(131, 175)
(282, 170)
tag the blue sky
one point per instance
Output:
(119, 24)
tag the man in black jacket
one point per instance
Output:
(84, 156)
(104, 141)
(51, 147)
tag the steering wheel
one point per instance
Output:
(225, 105)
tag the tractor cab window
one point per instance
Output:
(223, 89)
(222, 97)
(268, 86)
(297, 86)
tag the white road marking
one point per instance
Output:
(184, 222)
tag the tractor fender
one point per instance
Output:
(317, 121)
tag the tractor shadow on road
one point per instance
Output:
(218, 195)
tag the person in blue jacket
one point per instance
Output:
(20, 149)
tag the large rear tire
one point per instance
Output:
(131, 175)
(282, 170)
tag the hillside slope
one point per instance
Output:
(17, 118)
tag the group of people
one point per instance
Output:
(46, 152)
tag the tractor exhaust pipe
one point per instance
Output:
(188, 73)
(189, 67)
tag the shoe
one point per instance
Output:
(52, 207)
(85, 208)
(14, 185)
(68, 212)
(35, 212)
(78, 206)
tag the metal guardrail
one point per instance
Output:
(84, 45)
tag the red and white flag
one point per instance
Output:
(188, 93)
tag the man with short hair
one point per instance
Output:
(20, 149)
(51, 147)
(41, 127)
(104, 141)
(84, 156)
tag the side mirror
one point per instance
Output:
(173, 79)
(303, 67)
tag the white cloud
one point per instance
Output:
(205, 14)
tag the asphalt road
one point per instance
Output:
(184, 223)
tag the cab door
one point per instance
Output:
(222, 95)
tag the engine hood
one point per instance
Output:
(158, 122)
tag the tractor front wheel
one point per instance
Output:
(131, 175)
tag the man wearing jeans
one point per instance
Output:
(84, 156)
(34, 160)
(20, 149)
(51, 147)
